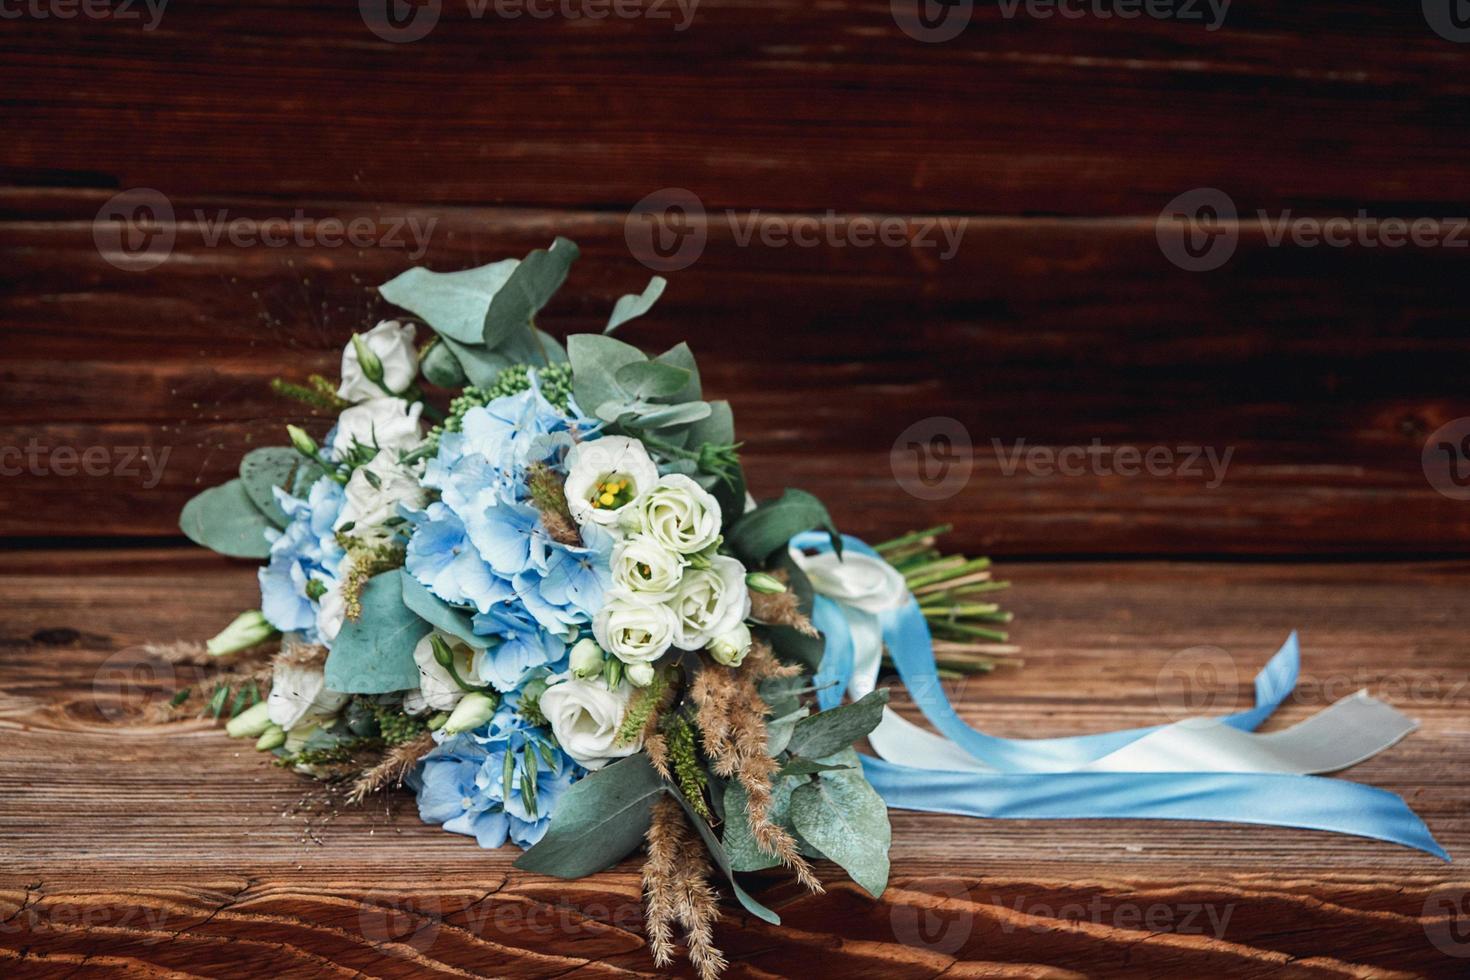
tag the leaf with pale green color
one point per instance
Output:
(530, 286)
(264, 469)
(847, 821)
(224, 519)
(650, 379)
(745, 854)
(374, 653)
(598, 821)
(595, 362)
(635, 305)
(441, 367)
(718, 427)
(680, 356)
(480, 366)
(440, 614)
(453, 303)
(835, 729)
(717, 851)
(532, 347)
(760, 533)
(655, 417)
(798, 766)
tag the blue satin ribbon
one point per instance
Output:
(1033, 781)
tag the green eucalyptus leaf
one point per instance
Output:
(759, 533)
(224, 519)
(599, 821)
(481, 366)
(532, 347)
(595, 362)
(374, 653)
(264, 469)
(663, 416)
(847, 821)
(799, 766)
(530, 286)
(441, 367)
(453, 303)
(795, 647)
(634, 304)
(718, 427)
(680, 356)
(650, 379)
(440, 614)
(717, 851)
(745, 854)
(835, 729)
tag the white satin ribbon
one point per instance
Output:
(1350, 730)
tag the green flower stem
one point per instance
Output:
(946, 571)
(944, 626)
(913, 537)
(967, 609)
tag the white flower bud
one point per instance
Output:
(586, 659)
(473, 710)
(244, 632)
(730, 647)
(384, 357)
(640, 675)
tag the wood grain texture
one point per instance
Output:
(1036, 334)
(128, 848)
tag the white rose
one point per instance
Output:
(632, 630)
(299, 694)
(393, 343)
(709, 602)
(369, 507)
(730, 647)
(604, 476)
(436, 687)
(585, 717)
(679, 514)
(869, 584)
(644, 566)
(388, 423)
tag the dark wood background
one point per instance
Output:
(1058, 321)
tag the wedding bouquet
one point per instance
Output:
(549, 606)
(553, 610)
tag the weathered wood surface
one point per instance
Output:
(1314, 376)
(167, 850)
(1057, 321)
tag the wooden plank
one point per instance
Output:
(778, 104)
(1037, 334)
(131, 847)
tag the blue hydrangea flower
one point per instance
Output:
(462, 783)
(306, 550)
